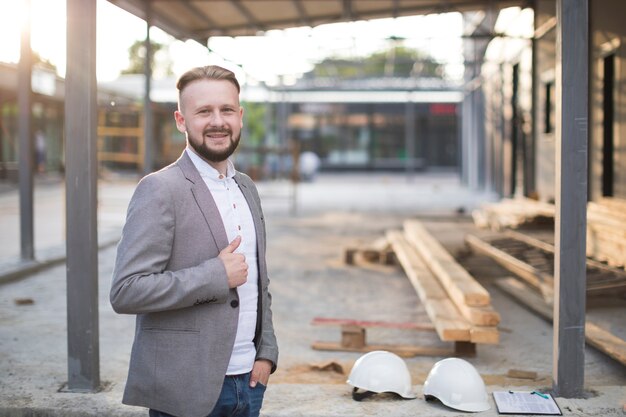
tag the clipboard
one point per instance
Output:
(526, 403)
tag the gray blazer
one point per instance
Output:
(168, 274)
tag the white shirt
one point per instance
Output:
(238, 221)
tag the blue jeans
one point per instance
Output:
(237, 399)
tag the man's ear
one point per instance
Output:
(180, 121)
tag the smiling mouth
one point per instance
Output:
(217, 134)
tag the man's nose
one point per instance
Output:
(216, 119)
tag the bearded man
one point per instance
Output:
(191, 266)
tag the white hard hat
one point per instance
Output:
(380, 371)
(457, 384)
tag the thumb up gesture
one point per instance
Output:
(235, 264)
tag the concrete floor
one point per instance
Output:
(308, 279)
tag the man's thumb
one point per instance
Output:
(232, 246)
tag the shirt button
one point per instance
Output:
(234, 303)
(221, 177)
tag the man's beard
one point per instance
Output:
(209, 154)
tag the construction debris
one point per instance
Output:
(23, 301)
(330, 366)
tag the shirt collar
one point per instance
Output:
(206, 170)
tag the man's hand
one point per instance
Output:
(235, 264)
(260, 372)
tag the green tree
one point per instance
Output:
(137, 56)
(43, 63)
(397, 61)
(255, 122)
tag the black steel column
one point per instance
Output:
(26, 165)
(81, 121)
(572, 85)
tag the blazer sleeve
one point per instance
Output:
(141, 283)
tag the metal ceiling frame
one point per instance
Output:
(252, 25)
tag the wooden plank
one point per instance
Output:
(405, 351)
(537, 279)
(521, 292)
(352, 336)
(425, 284)
(449, 324)
(600, 213)
(461, 287)
(613, 203)
(511, 213)
(609, 225)
(530, 240)
(521, 374)
(480, 316)
(603, 248)
(605, 341)
(448, 321)
(484, 334)
(595, 335)
(348, 256)
(323, 321)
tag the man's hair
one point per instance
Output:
(210, 72)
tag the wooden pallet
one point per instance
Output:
(354, 339)
(378, 251)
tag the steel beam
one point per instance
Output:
(81, 120)
(148, 132)
(409, 139)
(26, 165)
(572, 86)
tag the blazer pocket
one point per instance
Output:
(169, 364)
(169, 330)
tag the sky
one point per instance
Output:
(279, 56)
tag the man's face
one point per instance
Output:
(211, 117)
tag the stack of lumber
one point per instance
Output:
(458, 306)
(606, 231)
(512, 213)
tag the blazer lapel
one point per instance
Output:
(205, 201)
(257, 217)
